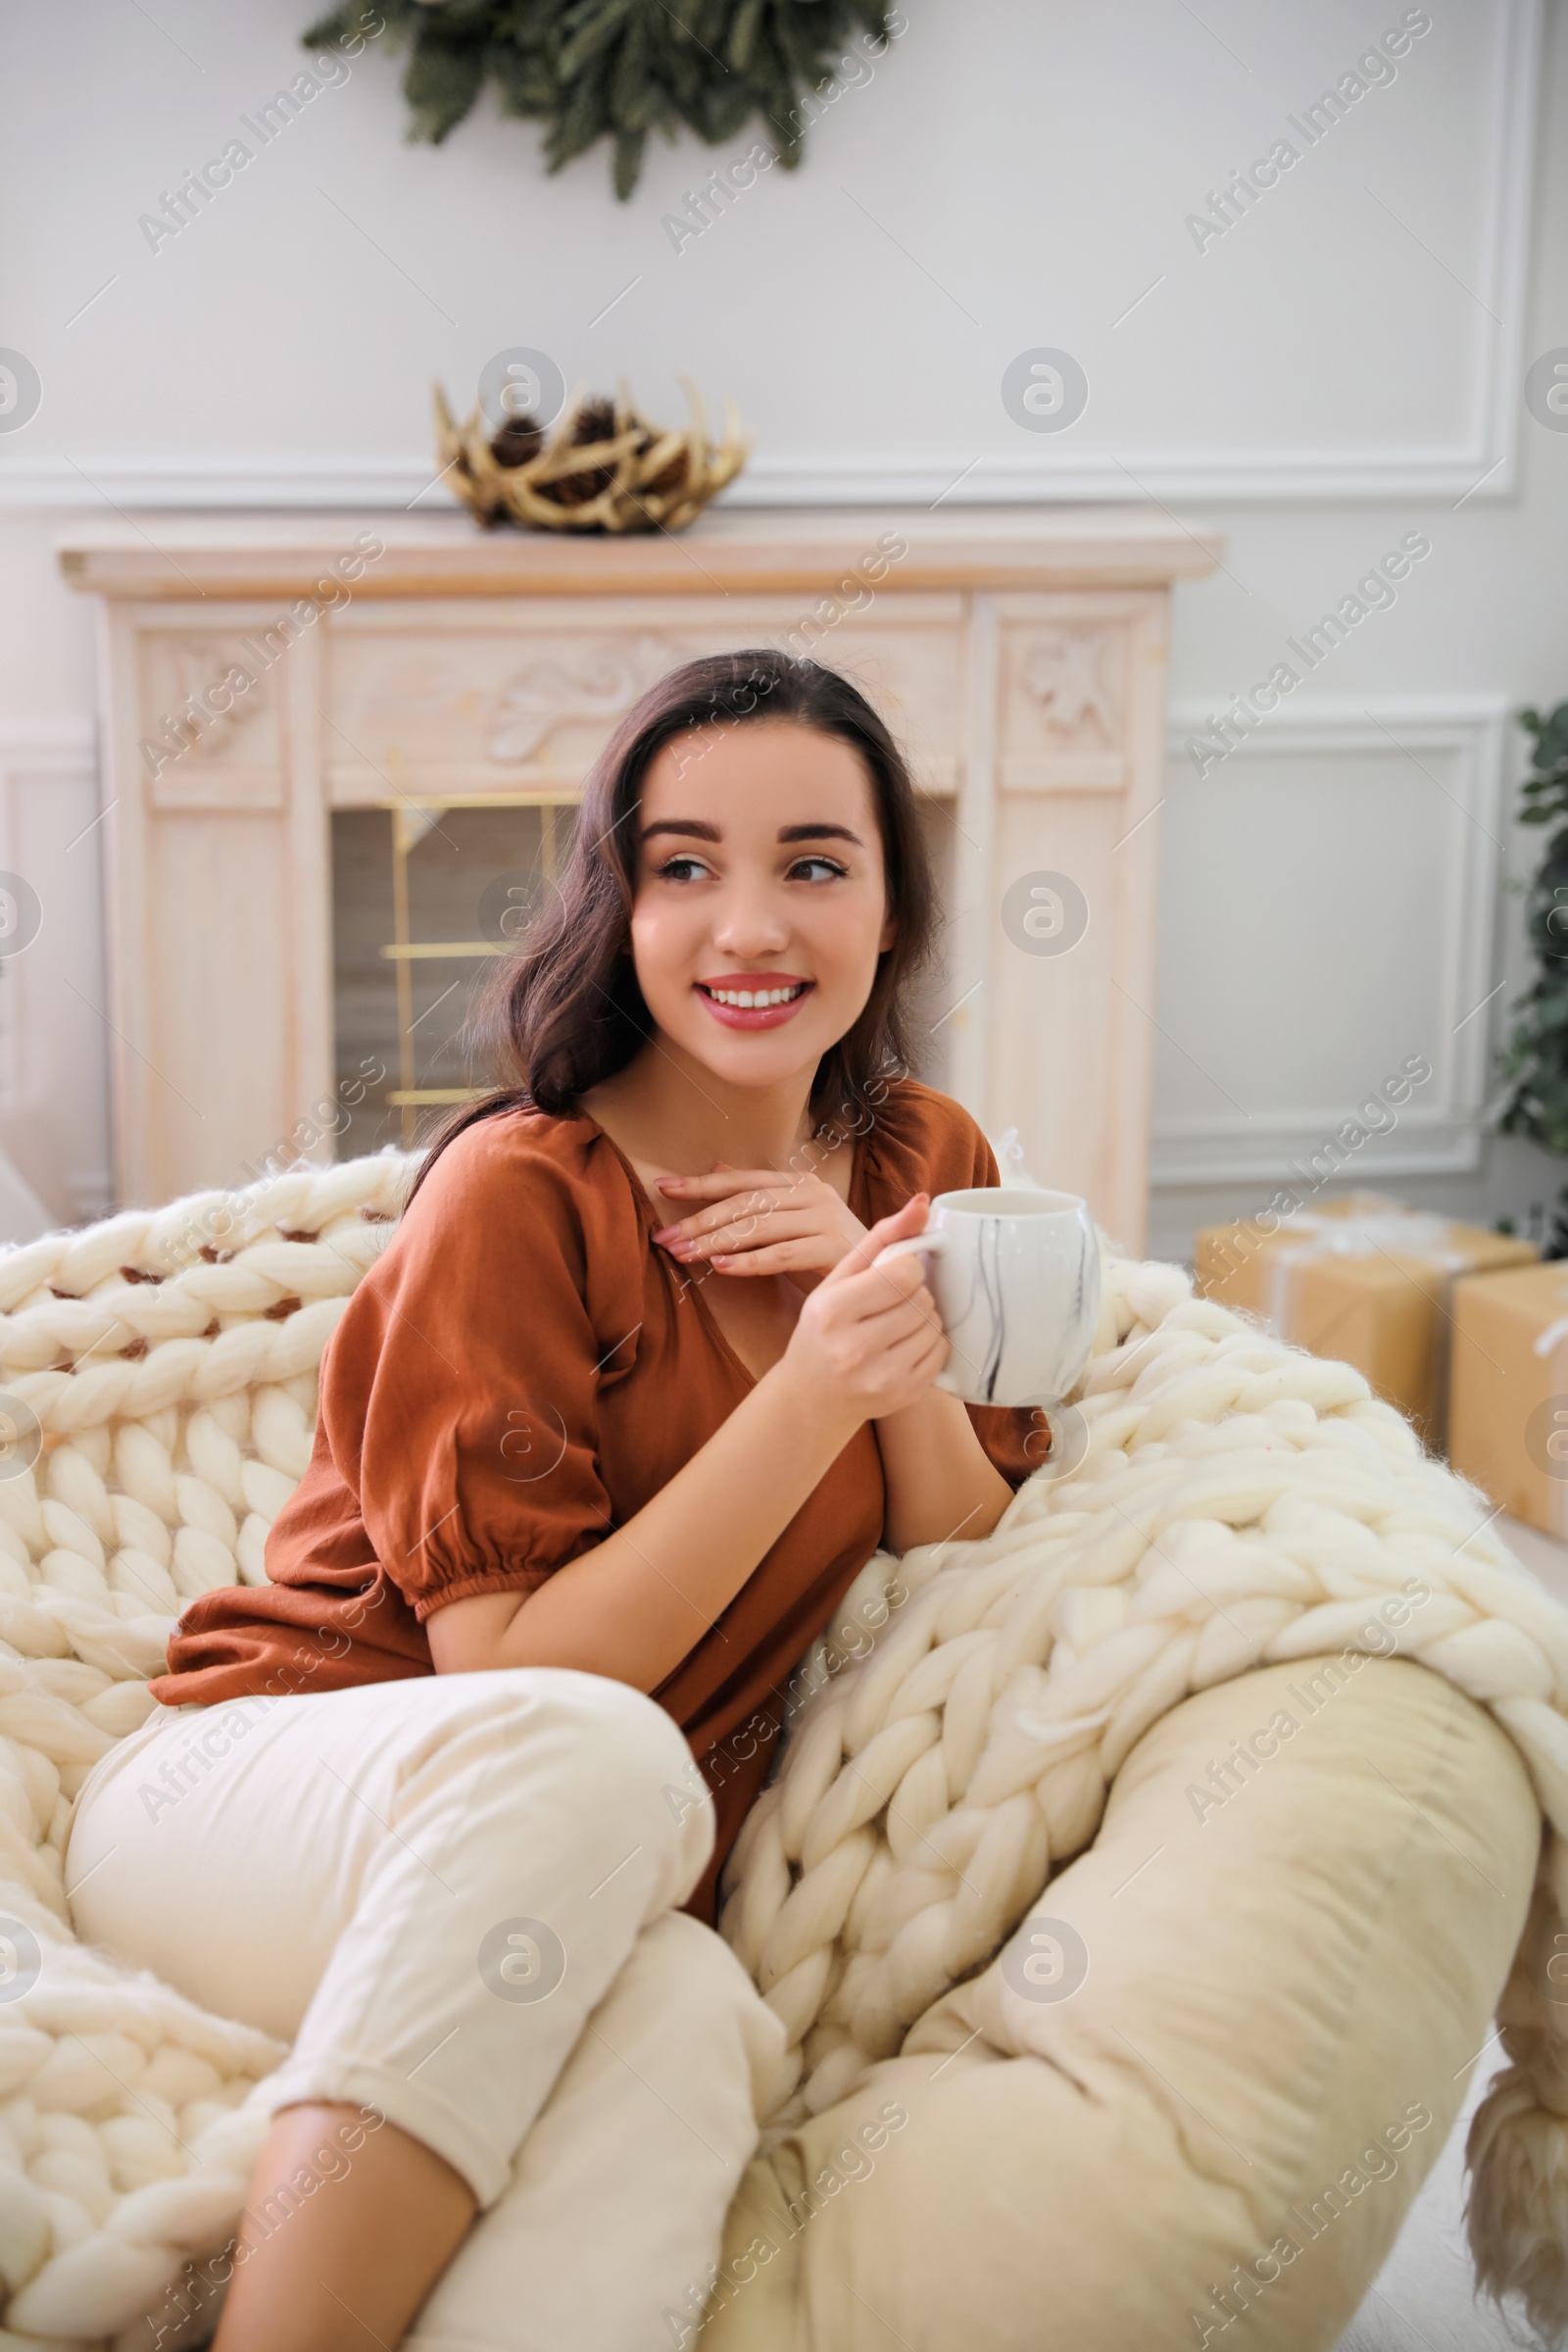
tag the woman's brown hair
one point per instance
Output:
(567, 1011)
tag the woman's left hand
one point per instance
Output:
(759, 1221)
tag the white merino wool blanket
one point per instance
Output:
(1237, 1501)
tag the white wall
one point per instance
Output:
(1340, 369)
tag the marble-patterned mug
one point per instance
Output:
(1016, 1275)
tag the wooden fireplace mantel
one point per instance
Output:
(1021, 655)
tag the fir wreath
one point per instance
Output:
(1537, 1055)
(618, 68)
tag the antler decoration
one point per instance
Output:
(601, 467)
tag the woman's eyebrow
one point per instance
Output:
(819, 833)
(693, 827)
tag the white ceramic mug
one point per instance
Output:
(1015, 1276)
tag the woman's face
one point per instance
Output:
(761, 906)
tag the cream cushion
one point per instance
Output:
(1275, 1992)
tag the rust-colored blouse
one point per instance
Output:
(519, 1372)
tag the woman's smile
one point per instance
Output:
(754, 999)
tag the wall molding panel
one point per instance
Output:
(1443, 1128)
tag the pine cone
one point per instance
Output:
(595, 421)
(516, 442)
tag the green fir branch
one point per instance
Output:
(591, 70)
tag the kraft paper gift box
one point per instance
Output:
(1363, 1280)
(1508, 1395)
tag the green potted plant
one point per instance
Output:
(1536, 1056)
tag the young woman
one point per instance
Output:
(604, 1438)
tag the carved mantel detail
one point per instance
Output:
(205, 689)
(1062, 675)
(546, 695)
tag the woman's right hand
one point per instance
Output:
(868, 1340)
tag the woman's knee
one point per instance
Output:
(598, 1741)
(625, 1737)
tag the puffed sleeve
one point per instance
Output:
(459, 1390)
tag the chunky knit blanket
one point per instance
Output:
(1229, 1501)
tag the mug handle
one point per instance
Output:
(931, 1243)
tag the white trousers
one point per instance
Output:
(456, 1898)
